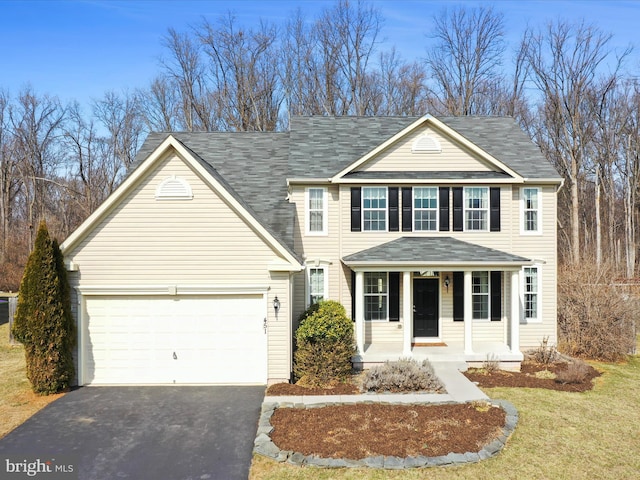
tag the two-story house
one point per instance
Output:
(438, 235)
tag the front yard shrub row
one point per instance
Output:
(324, 345)
(43, 322)
(405, 375)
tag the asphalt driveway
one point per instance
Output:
(186, 432)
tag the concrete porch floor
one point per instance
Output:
(451, 352)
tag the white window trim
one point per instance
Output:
(325, 269)
(386, 210)
(413, 209)
(364, 303)
(465, 209)
(488, 294)
(538, 231)
(523, 283)
(325, 212)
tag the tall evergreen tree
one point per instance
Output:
(43, 322)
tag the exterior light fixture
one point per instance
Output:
(447, 282)
(276, 304)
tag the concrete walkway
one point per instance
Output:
(458, 387)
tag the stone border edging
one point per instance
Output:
(264, 446)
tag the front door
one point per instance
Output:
(425, 307)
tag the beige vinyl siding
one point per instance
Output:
(399, 157)
(541, 248)
(324, 249)
(353, 242)
(279, 332)
(149, 241)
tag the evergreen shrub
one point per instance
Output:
(324, 345)
(43, 321)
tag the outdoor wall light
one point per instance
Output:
(447, 282)
(276, 304)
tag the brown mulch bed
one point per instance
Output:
(527, 378)
(365, 430)
(293, 389)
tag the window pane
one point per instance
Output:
(425, 219)
(374, 205)
(425, 208)
(316, 285)
(531, 292)
(375, 296)
(531, 221)
(480, 294)
(315, 221)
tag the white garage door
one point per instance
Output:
(175, 339)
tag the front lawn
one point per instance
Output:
(17, 401)
(560, 435)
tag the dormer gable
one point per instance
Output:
(427, 145)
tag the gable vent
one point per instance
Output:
(174, 188)
(426, 144)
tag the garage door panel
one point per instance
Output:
(216, 339)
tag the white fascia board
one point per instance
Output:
(309, 181)
(430, 181)
(438, 125)
(450, 266)
(129, 290)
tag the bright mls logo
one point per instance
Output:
(57, 468)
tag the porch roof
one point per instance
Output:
(433, 252)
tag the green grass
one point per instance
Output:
(591, 435)
(17, 401)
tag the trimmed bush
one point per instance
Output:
(325, 345)
(43, 322)
(405, 375)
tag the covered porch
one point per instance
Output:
(436, 298)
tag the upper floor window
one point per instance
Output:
(375, 296)
(374, 208)
(316, 200)
(476, 208)
(425, 208)
(317, 284)
(531, 210)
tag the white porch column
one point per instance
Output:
(407, 313)
(468, 314)
(514, 318)
(360, 312)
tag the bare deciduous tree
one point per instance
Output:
(465, 61)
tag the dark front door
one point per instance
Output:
(425, 307)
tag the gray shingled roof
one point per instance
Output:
(430, 251)
(254, 166)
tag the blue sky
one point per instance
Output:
(79, 49)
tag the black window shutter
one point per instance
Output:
(494, 209)
(394, 220)
(458, 220)
(443, 200)
(356, 196)
(458, 296)
(394, 296)
(353, 295)
(496, 296)
(407, 209)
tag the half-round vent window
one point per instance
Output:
(174, 188)
(426, 144)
